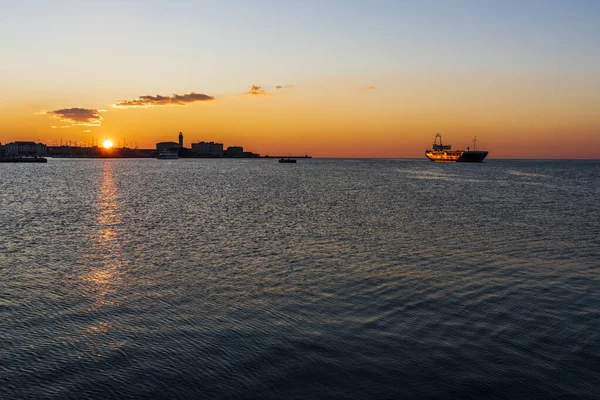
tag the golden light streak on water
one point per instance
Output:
(101, 284)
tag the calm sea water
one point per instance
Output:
(341, 279)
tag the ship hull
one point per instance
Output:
(456, 156)
(168, 156)
(473, 156)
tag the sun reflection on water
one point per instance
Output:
(102, 282)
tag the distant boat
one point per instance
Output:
(444, 153)
(13, 159)
(168, 155)
(287, 160)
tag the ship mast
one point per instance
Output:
(475, 143)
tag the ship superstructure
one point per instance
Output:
(444, 153)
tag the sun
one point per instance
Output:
(107, 144)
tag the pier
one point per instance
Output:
(23, 160)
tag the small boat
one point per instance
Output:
(444, 153)
(168, 155)
(287, 160)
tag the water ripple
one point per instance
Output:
(326, 279)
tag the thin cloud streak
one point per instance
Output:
(159, 100)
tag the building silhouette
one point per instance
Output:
(171, 146)
(208, 149)
(204, 149)
(25, 149)
(234, 151)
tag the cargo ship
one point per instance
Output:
(444, 153)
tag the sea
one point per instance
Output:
(324, 279)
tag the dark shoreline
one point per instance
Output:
(23, 160)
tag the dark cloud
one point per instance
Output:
(370, 87)
(256, 90)
(77, 116)
(284, 86)
(158, 100)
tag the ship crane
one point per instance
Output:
(440, 147)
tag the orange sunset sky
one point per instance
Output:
(326, 78)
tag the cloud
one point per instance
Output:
(158, 100)
(370, 87)
(76, 116)
(86, 131)
(284, 87)
(256, 90)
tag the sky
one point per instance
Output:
(327, 78)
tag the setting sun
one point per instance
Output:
(107, 144)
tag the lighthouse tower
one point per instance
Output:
(181, 140)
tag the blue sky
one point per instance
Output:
(301, 39)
